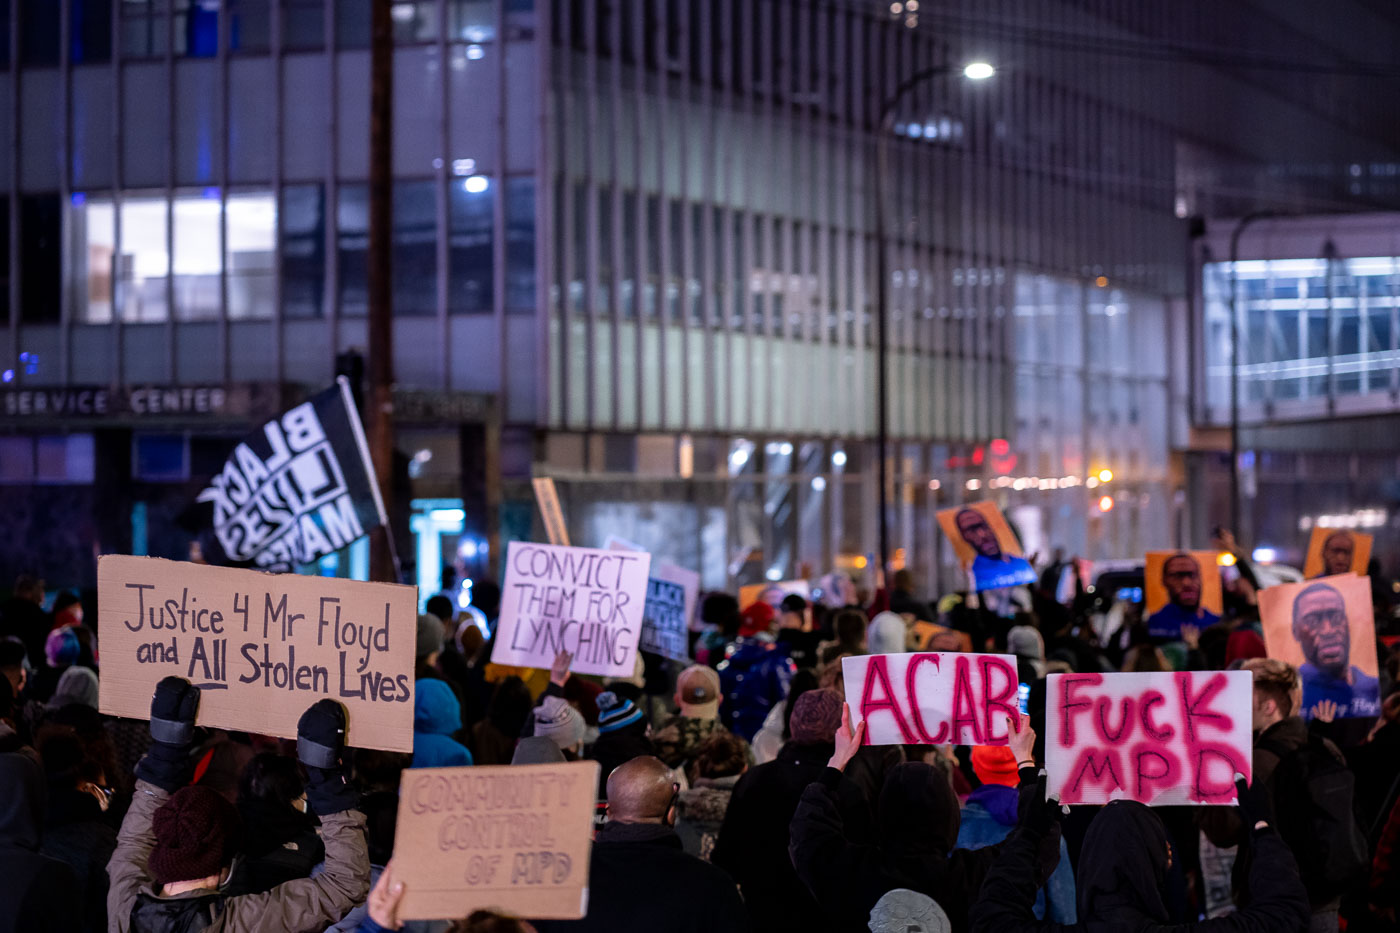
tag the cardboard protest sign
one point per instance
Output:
(1325, 628)
(932, 698)
(548, 497)
(298, 488)
(663, 621)
(513, 839)
(261, 647)
(1180, 588)
(584, 600)
(773, 593)
(1336, 550)
(986, 546)
(1162, 739)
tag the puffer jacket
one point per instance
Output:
(700, 813)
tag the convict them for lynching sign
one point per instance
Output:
(261, 647)
(299, 487)
(583, 600)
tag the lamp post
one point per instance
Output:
(974, 71)
(1235, 236)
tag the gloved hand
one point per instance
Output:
(174, 706)
(1256, 807)
(321, 748)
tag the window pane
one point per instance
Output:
(40, 255)
(250, 25)
(196, 257)
(144, 262)
(352, 24)
(352, 244)
(38, 32)
(415, 248)
(520, 244)
(64, 459)
(472, 20)
(472, 210)
(197, 28)
(303, 24)
(4, 259)
(303, 250)
(415, 22)
(160, 458)
(92, 227)
(16, 460)
(90, 31)
(252, 253)
(143, 28)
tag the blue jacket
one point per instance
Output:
(988, 818)
(436, 716)
(754, 679)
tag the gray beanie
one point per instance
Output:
(902, 909)
(555, 719)
(77, 685)
(429, 636)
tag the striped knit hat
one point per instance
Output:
(616, 713)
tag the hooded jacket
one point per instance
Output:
(917, 821)
(35, 890)
(1122, 870)
(436, 717)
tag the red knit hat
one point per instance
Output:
(995, 764)
(757, 618)
(1244, 644)
(196, 834)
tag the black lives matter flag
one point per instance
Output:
(299, 487)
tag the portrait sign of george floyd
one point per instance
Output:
(512, 839)
(299, 487)
(584, 600)
(1161, 738)
(1180, 588)
(1326, 629)
(986, 546)
(932, 698)
(261, 647)
(1336, 550)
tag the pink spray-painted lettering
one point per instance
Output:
(932, 698)
(1160, 738)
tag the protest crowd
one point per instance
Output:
(735, 791)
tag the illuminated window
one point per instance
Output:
(252, 254)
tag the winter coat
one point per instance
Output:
(302, 906)
(1122, 871)
(917, 828)
(753, 679)
(988, 818)
(75, 832)
(36, 891)
(279, 844)
(436, 717)
(639, 879)
(680, 737)
(753, 840)
(700, 813)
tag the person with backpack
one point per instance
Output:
(1310, 790)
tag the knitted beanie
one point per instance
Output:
(556, 719)
(196, 834)
(816, 716)
(430, 636)
(615, 713)
(995, 764)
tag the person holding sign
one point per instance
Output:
(176, 844)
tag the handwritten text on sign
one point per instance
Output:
(514, 839)
(932, 698)
(262, 647)
(663, 625)
(1161, 738)
(583, 600)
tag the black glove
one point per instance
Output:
(167, 763)
(1255, 806)
(321, 748)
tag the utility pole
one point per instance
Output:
(380, 398)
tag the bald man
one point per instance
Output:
(639, 877)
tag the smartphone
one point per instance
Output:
(1023, 698)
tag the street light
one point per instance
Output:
(975, 71)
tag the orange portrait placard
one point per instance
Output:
(986, 546)
(1336, 550)
(1181, 588)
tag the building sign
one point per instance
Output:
(141, 401)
